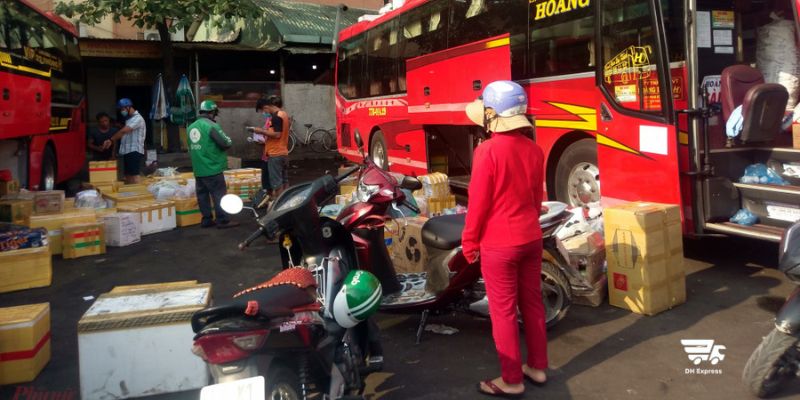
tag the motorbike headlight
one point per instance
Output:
(364, 192)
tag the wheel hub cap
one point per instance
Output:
(584, 184)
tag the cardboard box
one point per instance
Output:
(437, 205)
(241, 173)
(644, 250)
(55, 222)
(187, 212)
(154, 216)
(24, 342)
(234, 162)
(25, 269)
(9, 187)
(408, 252)
(128, 321)
(86, 239)
(595, 297)
(122, 197)
(587, 253)
(102, 171)
(48, 202)
(132, 187)
(796, 136)
(122, 229)
(16, 211)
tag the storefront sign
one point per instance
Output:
(549, 8)
(119, 49)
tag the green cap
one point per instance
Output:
(208, 106)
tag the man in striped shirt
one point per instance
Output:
(131, 140)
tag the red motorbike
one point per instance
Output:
(449, 281)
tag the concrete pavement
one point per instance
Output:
(595, 353)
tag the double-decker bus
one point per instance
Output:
(622, 92)
(42, 104)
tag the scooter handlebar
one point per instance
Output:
(253, 236)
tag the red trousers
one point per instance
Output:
(513, 278)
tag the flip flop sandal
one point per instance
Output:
(533, 382)
(497, 392)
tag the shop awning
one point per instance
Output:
(282, 24)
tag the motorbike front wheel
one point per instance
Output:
(282, 384)
(772, 362)
(556, 294)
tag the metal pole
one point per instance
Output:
(196, 80)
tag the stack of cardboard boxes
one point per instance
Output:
(243, 182)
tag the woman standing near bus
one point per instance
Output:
(502, 228)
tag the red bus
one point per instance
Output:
(42, 106)
(614, 89)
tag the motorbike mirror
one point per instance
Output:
(359, 140)
(231, 203)
(411, 183)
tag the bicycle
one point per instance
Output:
(320, 140)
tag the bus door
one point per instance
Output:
(441, 84)
(637, 143)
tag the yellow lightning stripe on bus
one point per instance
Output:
(587, 115)
(607, 141)
(497, 43)
(5, 60)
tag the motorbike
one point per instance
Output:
(287, 329)
(777, 358)
(449, 281)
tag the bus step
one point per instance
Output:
(775, 205)
(757, 231)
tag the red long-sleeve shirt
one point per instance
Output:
(505, 193)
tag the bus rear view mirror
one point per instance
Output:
(359, 140)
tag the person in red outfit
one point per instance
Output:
(502, 229)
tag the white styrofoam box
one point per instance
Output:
(155, 216)
(122, 229)
(138, 343)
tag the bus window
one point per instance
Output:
(423, 30)
(473, 20)
(12, 25)
(351, 65)
(561, 43)
(628, 56)
(382, 60)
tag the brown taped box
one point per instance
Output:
(102, 171)
(407, 251)
(587, 253)
(796, 136)
(596, 296)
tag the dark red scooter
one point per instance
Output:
(449, 282)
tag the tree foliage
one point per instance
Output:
(175, 14)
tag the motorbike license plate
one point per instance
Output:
(243, 389)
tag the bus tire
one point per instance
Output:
(577, 180)
(377, 150)
(47, 181)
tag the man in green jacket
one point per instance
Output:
(207, 146)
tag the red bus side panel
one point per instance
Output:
(441, 84)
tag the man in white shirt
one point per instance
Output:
(131, 138)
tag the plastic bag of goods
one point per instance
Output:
(90, 199)
(777, 56)
(760, 173)
(744, 217)
(168, 172)
(163, 190)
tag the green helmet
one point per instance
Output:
(358, 299)
(208, 106)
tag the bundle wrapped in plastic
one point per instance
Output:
(777, 56)
(744, 217)
(90, 199)
(168, 171)
(164, 190)
(760, 173)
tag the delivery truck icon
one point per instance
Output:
(700, 350)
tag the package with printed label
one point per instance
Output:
(84, 239)
(48, 202)
(122, 229)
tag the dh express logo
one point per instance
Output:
(700, 350)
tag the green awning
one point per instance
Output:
(283, 23)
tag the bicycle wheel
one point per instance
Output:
(330, 140)
(317, 140)
(291, 143)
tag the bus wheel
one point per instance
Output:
(377, 151)
(577, 176)
(48, 179)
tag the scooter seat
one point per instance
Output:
(443, 232)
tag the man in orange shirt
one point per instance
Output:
(276, 148)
